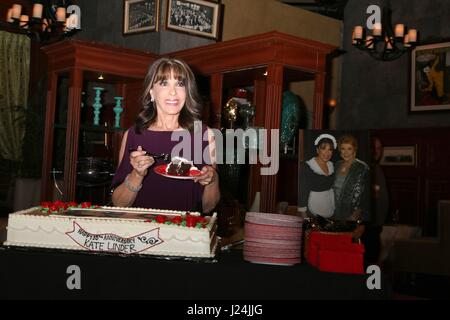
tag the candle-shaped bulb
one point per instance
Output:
(399, 30)
(412, 33)
(61, 14)
(37, 10)
(358, 32)
(377, 29)
(16, 11)
(354, 41)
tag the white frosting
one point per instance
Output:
(32, 228)
(178, 160)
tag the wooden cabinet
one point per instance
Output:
(78, 64)
(268, 63)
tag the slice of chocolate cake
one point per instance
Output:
(179, 166)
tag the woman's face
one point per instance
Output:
(324, 152)
(169, 96)
(348, 151)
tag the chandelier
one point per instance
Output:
(384, 42)
(49, 21)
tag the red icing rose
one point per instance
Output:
(86, 205)
(191, 220)
(46, 204)
(176, 220)
(59, 204)
(72, 204)
(55, 207)
(161, 219)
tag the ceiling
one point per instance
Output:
(329, 8)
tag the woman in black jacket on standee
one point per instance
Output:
(351, 185)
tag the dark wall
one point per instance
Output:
(375, 94)
(102, 21)
(415, 191)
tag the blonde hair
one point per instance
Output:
(348, 139)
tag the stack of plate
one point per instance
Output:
(272, 238)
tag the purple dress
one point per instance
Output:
(160, 192)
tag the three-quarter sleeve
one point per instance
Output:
(124, 167)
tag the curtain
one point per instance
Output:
(14, 81)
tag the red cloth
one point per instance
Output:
(335, 253)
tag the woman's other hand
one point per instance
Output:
(208, 175)
(140, 161)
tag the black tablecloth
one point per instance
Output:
(42, 274)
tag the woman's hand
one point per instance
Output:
(141, 162)
(208, 175)
(358, 232)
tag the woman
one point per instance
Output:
(351, 186)
(316, 180)
(170, 108)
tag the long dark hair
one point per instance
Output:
(160, 70)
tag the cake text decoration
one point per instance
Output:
(109, 242)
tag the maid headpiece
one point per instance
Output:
(327, 136)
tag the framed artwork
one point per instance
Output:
(399, 156)
(430, 77)
(196, 17)
(140, 16)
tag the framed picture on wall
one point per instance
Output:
(140, 16)
(399, 156)
(430, 77)
(196, 17)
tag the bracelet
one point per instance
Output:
(130, 187)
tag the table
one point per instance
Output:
(39, 273)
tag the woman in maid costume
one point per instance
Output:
(316, 196)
